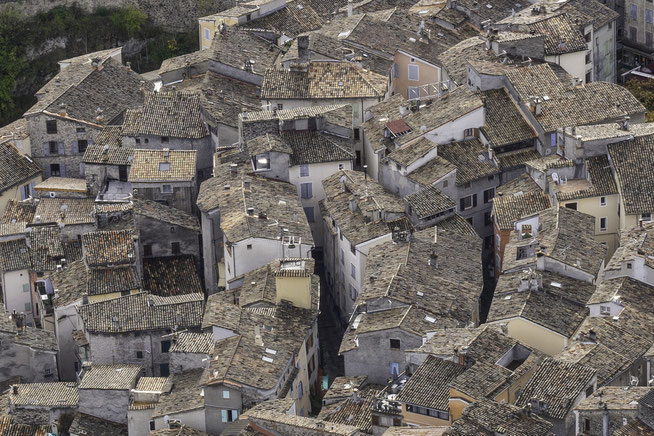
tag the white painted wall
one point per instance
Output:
(18, 294)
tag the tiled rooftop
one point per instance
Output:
(110, 377)
(557, 384)
(171, 275)
(633, 162)
(51, 395)
(114, 247)
(166, 214)
(68, 211)
(186, 394)
(141, 312)
(429, 384)
(167, 113)
(163, 166)
(16, 168)
(62, 184)
(486, 417)
(505, 123)
(511, 207)
(429, 201)
(199, 343)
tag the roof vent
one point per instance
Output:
(250, 211)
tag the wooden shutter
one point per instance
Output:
(46, 149)
(61, 149)
(75, 147)
(62, 170)
(474, 200)
(462, 204)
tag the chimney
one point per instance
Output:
(433, 259)
(233, 169)
(540, 260)
(14, 389)
(250, 211)
(349, 8)
(302, 45)
(355, 395)
(624, 125)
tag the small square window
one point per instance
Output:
(602, 201)
(147, 250)
(139, 354)
(147, 140)
(249, 246)
(51, 126)
(164, 166)
(304, 170)
(395, 344)
(53, 147)
(138, 140)
(280, 106)
(165, 346)
(603, 224)
(629, 265)
(172, 229)
(225, 394)
(82, 144)
(164, 139)
(175, 248)
(80, 130)
(166, 189)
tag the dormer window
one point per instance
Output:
(262, 162)
(397, 128)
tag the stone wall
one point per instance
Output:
(164, 13)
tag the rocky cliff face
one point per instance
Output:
(172, 15)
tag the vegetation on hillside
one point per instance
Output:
(30, 47)
(643, 90)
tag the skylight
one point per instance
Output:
(267, 359)
(270, 351)
(430, 319)
(556, 284)
(164, 166)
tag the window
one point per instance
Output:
(147, 250)
(633, 11)
(353, 293)
(51, 126)
(280, 106)
(26, 287)
(306, 190)
(152, 421)
(396, 70)
(467, 133)
(53, 147)
(487, 219)
(164, 139)
(605, 310)
(165, 346)
(489, 194)
(81, 145)
(589, 57)
(225, 394)
(445, 183)
(262, 162)
(353, 271)
(249, 246)
(603, 223)
(395, 369)
(353, 248)
(304, 170)
(147, 140)
(588, 37)
(602, 201)
(228, 415)
(342, 257)
(413, 92)
(633, 33)
(166, 189)
(175, 248)
(468, 202)
(164, 370)
(395, 344)
(139, 354)
(357, 134)
(55, 170)
(308, 211)
(553, 139)
(572, 206)
(414, 73)
(48, 372)
(589, 76)
(647, 217)
(138, 140)
(28, 308)
(629, 265)
(207, 34)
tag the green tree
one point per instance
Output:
(643, 90)
(10, 67)
(129, 20)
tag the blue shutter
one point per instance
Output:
(46, 148)
(46, 172)
(90, 142)
(61, 149)
(75, 147)
(62, 170)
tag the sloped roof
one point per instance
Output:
(16, 168)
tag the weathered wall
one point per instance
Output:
(163, 13)
(110, 404)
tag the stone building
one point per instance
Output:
(27, 352)
(165, 231)
(43, 403)
(173, 120)
(273, 226)
(136, 329)
(608, 409)
(106, 166)
(104, 390)
(166, 176)
(74, 107)
(21, 174)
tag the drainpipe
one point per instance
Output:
(605, 421)
(576, 422)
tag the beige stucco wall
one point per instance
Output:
(535, 336)
(427, 73)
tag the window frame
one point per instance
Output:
(48, 127)
(606, 224)
(304, 170)
(416, 72)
